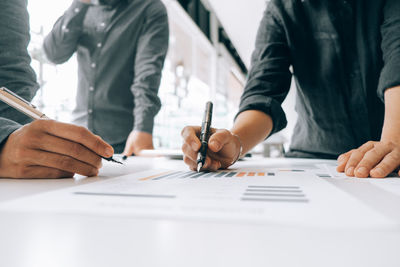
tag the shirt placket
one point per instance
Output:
(357, 96)
(101, 30)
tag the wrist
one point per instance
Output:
(240, 148)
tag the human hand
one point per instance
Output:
(137, 141)
(86, 1)
(50, 149)
(374, 159)
(223, 148)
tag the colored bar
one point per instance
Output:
(167, 175)
(220, 174)
(251, 174)
(231, 174)
(198, 175)
(154, 176)
(241, 174)
(261, 174)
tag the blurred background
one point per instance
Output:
(211, 43)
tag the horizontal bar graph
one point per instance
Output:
(197, 175)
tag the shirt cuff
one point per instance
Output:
(7, 127)
(390, 77)
(267, 105)
(144, 124)
(74, 16)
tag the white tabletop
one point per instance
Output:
(57, 239)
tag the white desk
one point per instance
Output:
(76, 240)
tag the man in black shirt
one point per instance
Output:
(346, 64)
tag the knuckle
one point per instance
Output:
(81, 132)
(98, 145)
(76, 149)
(370, 143)
(184, 131)
(187, 160)
(65, 163)
(385, 167)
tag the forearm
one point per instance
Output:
(252, 127)
(62, 41)
(391, 128)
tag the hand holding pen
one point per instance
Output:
(51, 149)
(223, 148)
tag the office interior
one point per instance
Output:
(267, 210)
(208, 59)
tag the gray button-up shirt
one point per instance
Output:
(121, 52)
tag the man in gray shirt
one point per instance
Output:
(44, 148)
(121, 47)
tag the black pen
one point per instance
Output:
(28, 109)
(204, 135)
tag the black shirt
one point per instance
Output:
(344, 55)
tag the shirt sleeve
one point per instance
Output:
(269, 79)
(150, 55)
(15, 71)
(61, 43)
(390, 29)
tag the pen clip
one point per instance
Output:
(17, 96)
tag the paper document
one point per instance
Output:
(282, 195)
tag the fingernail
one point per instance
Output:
(378, 171)
(340, 159)
(362, 171)
(350, 171)
(109, 152)
(215, 144)
(194, 146)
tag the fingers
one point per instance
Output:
(66, 147)
(219, 139)
(40, 172)
(212, 164)
(191, 145)
(356, 157)
(342, 161)
(76, 134)
(370, 159)
(57, 161)
(128, 151)
(190, 137)
(389, 163)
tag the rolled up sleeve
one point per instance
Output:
(269, 79)
(151, 52)
(15, 71)
(390, 29)
(62, 41)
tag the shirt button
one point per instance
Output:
(64, 28)
(93, 65)
(102, 24)
(91, 88)
(90, 111)
(99, 45)
(76, 10)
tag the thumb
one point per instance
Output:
(219, 139)
(128, 151)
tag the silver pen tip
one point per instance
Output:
(199, 166)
